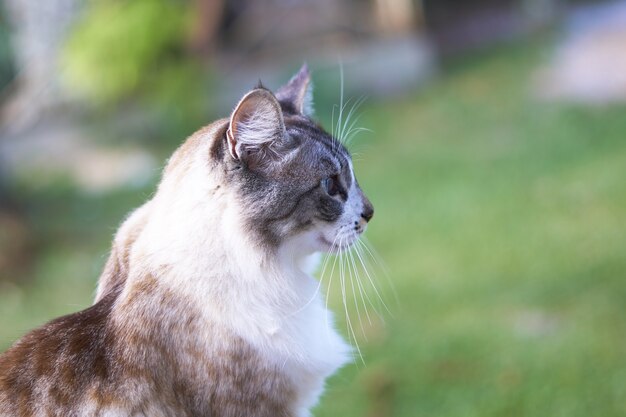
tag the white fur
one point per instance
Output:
(195, 244)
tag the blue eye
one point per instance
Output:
(331, 185)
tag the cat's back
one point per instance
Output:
(63, 364)
(86, 364)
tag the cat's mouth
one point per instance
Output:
(324, 242)
(338, 244)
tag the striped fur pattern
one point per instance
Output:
(205, 307)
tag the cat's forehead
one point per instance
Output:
(316, 147)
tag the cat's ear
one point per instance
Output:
(256, 127)
(298, 92)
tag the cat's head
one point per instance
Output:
(291, 183)
(296, 181)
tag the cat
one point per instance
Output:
(204, 307)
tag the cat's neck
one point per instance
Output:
(207, 262)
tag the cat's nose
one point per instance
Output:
(368, 211)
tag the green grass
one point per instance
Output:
(503, 222)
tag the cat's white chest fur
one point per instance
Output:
(274, 305)
(310, 354)
(298, 338)
(312, 348)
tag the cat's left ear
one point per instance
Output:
(256, 128)
(297, 93)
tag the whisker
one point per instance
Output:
(362, 291)
(354, 132)
(352, 273)
(351, 333)
(319, 283)
(375, 256)
(355, 107)
(359, 285)
(367, 274)
(330, 253)
(330, 280)
(332, 121)
(369, 299)
(341, 105)
(341, 127)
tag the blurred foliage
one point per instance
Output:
(7, 70)
(118, 46)
(136, 51)
(179, 100)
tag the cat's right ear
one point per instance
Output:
(297, 92)
(256, 127)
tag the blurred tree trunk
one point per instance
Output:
(207, 20)
(38, 30)
(395, 16)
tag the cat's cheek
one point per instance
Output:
(308, 242)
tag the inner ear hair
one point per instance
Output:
(256, 124)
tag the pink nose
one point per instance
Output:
(362, 222)
(368, 212)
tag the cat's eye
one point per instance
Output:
(331, 185)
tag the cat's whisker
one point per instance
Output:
(360, 285)
(319, 283)
(356, 302)
(374, 286)
(352, 334)
(366, 292)
(330, 280)
(349, 127)
(364, 255)
(341, 105)
(343, 287)
(332, 123)
(331, 252)
(345, 130)
(353, 275)
(354, 132)
(375, 256)
(342, 124)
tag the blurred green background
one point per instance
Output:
(496, 162)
